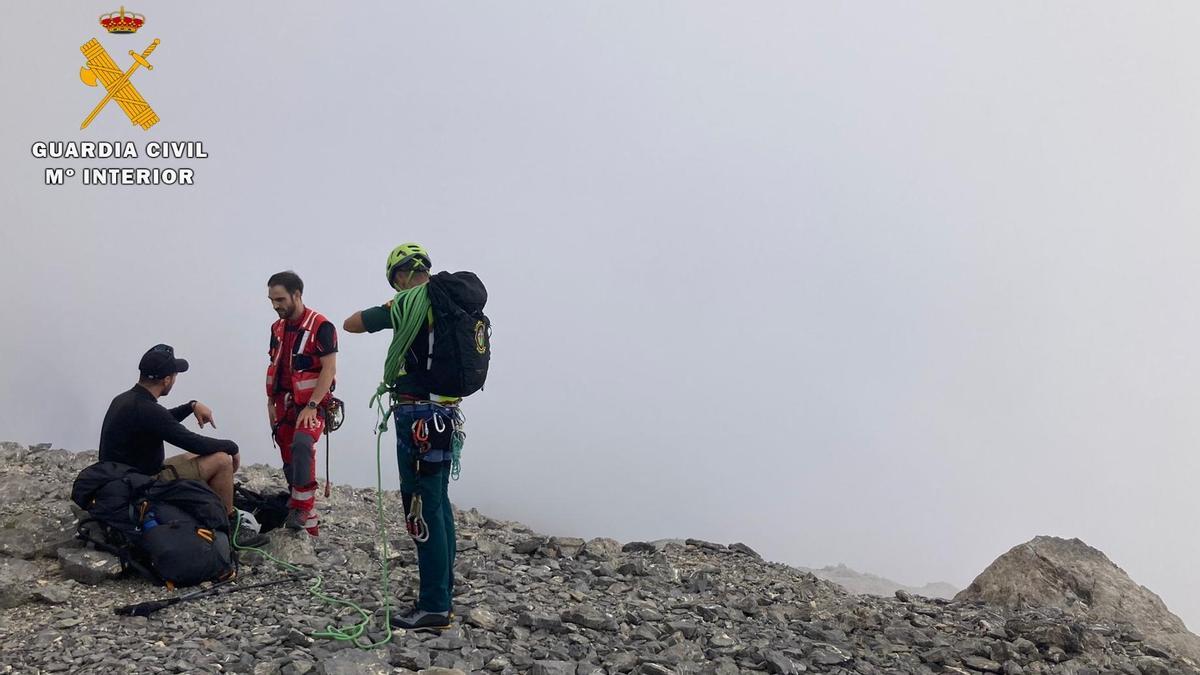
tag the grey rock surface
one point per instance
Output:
(1068, 574)
(33, 535)
(356, 662)
(88, 566)
(524, 603)
(290, 546)
(17, 580)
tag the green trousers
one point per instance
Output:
(435, 556)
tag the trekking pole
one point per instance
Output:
(152, 606)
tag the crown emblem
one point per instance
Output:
(122, 21)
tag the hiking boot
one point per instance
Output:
(250, 539)
(295, 520)
(419, 619)
(244, 537)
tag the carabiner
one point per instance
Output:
(420, 431)
(415, 523)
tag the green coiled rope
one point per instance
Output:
(353, 633)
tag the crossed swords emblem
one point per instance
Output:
(102, 68)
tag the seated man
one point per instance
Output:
(136, 425)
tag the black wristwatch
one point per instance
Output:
(311, 404)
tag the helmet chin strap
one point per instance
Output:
(409, 279)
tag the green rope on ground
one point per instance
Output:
(353, 633)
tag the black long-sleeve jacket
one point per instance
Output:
(136, 426)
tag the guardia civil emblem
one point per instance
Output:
(102, 69)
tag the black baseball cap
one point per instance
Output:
(160, 362)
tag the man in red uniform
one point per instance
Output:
(299, 384)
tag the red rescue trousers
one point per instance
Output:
(298, 449)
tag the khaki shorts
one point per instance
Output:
(185, 465)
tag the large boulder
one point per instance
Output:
(562, 547)
(89, 566)
(295, 547)
(602, 548)
(17, 582)
(1068, 574)
(34, 535)
(20, 489)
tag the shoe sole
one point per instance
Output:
(430, 629)
(426, 629)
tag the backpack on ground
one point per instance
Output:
(461, 342)
(269, 509)
(185, 532)
(173, 532)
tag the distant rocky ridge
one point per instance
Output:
(869, 584)
(525, 603)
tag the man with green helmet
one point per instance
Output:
(420, 416)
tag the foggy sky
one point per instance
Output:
(899, 287)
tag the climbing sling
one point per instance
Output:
(335, 414)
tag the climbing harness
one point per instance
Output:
(438, 427)
(435, 427)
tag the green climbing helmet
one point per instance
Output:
(408, 256)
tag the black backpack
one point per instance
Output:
(462, 334)
(172, 532)
(269, 509)
(190, 540)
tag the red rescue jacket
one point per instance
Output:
(305, 362)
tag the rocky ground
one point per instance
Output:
(525, 603)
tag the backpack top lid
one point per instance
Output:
(463, 289)
(94, 479)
